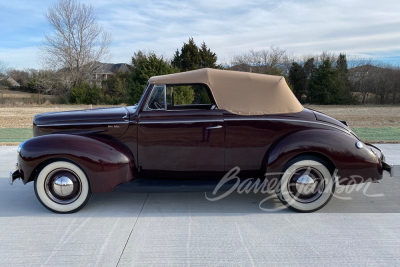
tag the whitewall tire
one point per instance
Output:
(62, 187)
(306, 185)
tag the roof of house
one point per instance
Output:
(241, 93)
(10, 80)
(109, 68)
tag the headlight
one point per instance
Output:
(20, 146)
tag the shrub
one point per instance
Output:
(86, 94)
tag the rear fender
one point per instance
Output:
(353, 165)
(106, 162)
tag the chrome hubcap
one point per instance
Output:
(63, 186)
(306, 185)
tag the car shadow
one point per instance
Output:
(20, 200)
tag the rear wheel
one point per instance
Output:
(62, 187)
(306, 185)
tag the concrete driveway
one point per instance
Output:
(157, 229)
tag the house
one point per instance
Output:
(103, 71)
(360, 72)
(13, 82)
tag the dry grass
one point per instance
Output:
(356, 116)
(363, 116)
(5, 93)
(21, 117)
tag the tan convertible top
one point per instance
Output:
(241, 93)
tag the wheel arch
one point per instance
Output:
(313, 155)
(335, 147)
(46, 162)
(105, 162)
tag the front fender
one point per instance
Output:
(354, 165)
(106, 162)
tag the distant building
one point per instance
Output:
(13, 82)
(360, 72)
(103, 71)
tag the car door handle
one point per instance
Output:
(214, 127)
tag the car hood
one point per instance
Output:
(101, 115)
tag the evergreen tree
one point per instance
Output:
(298, 80)
(323, 84)
(191, 57)
(208, 58)
(345, 96)
(329, 85)
(143, 67)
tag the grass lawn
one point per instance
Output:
(15, 134)
(378, 134)
(367, 134)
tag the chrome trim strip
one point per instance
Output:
(81, 123)
(247, 119)
(214, 127)
(300, 121)
(177, 121)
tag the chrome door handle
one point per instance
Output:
(214, 127)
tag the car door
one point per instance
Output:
(181, 140)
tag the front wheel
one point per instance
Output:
(306, 185)
(62, 187)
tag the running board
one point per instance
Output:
(145, 185)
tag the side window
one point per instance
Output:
(195, 96)
(156, 98)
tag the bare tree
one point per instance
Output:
(263, 61)
(77, 41)
(20, 76)
(3, 67)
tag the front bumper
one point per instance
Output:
(385, 166)
(13, 176)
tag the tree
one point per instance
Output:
(326, 86)
(5, 83)
(207, 57)
(114, 88)
(86, 94)
(189, 58)
(298, 80)
(20, 76)
(77, 40)
(3, 67)
(322, 87)
(192, 57)
(273, 61)
(143, 67)
(183, 95)
(44, 82)
(344, 85)
(343, 72)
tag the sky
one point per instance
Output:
(368, 29)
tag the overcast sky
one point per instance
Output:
(367, 28)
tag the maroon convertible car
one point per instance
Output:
(188, 130)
